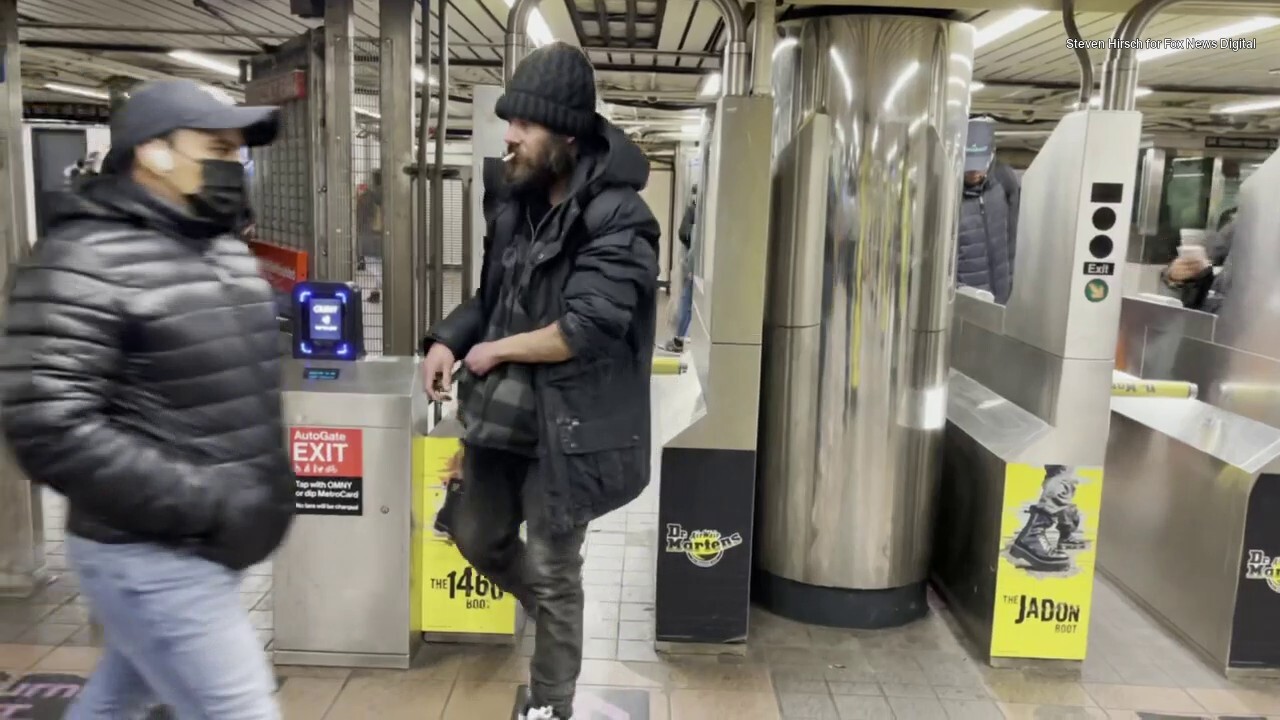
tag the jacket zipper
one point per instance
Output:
(986, 242)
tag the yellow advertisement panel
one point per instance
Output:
(452, 596)
(1044, 582)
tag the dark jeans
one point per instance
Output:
(500, 490)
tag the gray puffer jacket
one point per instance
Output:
(988, 234)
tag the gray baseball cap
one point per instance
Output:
(158, 108)
(980, 147)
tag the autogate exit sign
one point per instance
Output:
(326, 452)
(329, 467)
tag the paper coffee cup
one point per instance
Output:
(1193, 252)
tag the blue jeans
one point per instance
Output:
(176, 633)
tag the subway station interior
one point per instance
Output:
(879, 491)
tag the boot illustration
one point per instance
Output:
(1033, 547)
(1069, 537)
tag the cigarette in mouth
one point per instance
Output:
(508, 157)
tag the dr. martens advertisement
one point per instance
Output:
(1044, 583)
(1255, 635)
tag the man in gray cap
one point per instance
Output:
(140, 379)
(988, 231)
(558, 350)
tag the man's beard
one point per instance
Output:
(543, 168)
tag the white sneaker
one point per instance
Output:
(542, 713)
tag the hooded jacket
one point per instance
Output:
(595, 274)
(686, 225)
(140, 378)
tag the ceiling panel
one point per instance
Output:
(688, 40)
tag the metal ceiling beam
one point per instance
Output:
(602, 24)
(651, 52)
(631, 23)
(1194, 7)
(1183, 89)
(94, 62)
(75, 48)
(128, 47)
(457, 62)
(137, 29)
(100, 64)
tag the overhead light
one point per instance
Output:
(1251, 106)
(77, 90)
(710, 85)
(1006, 25)
(1096, 100)
(1229, 31)
(420, 75)
(538, 31)
(975, 86)
(206, 62)
(1023, 133)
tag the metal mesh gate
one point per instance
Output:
(455, 205)
(366, 188)
(289, 176)
(281, 192)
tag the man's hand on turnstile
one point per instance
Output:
(437, 370)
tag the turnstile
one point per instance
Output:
(342, 590)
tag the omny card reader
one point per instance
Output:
(342, 586)
(328, 322)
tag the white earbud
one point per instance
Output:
(160, 160)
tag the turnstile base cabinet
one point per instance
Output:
(342, 578)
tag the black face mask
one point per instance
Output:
(221, 198)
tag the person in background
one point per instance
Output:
(558, 348)
(988, 234)
(685, 312)
(369, 231)
(140, 379)
(1202, 279)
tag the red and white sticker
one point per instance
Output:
(326, 452)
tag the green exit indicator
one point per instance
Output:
(1096, 290)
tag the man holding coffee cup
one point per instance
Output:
(1193, 273)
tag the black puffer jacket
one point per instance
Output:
(140, 378)
(597, 277)
(988, 233)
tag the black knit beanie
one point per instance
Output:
(555, 87)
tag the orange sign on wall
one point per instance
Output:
(281, 266)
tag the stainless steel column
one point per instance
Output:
(21, 513)
(396, 104)
(339, 81)
(866, 189)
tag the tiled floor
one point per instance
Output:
(919, 672)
